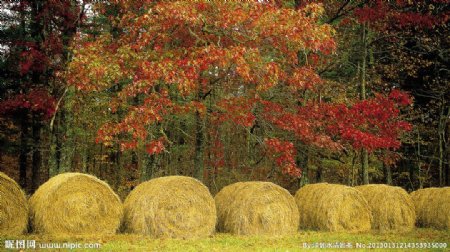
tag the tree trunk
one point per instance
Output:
(304, 180)
(441, 133)
(446, 151)
(23, 151)
(59, 134)
(319, 174)
(352, 181)
(365, 166)
(119, 173)
(447, 166)
(37, 157)
(418, 163)
(199, 139)
(134, 164)
(364, 153)
(303, 163)
(441, 156)
(147, 164)
(388, 174)
(37, 33)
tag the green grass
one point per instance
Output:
(226, 242)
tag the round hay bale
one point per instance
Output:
(256, 208)
(75, 204)
(392, 207)
(333, 207)
(174, 206)
(13, 207)
(432, 207)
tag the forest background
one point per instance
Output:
(293, 92)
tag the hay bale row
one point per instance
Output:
(391, 207)
(175, 206)
(255, 208)
(182, 207)
(13, 207)
(333, 207)
(81, 204)
(75, 204)
(432, 207)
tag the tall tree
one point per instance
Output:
(228, 65)
(37, 34)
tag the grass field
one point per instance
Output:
(225, 242)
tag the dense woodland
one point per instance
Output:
(293, 92)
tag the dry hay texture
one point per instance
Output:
(432, 207)
(75, 204)
(170, 207)
(333, 207)
(13, 207)
(256, 208)
(392, 207)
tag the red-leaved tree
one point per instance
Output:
(226, 63)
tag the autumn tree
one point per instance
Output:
(411, 55)
(386, 45)
(191, 73)
(400, 46)
(34, 50)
